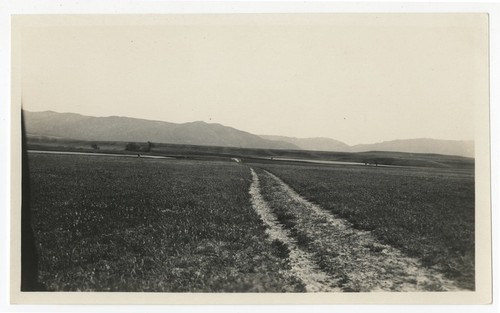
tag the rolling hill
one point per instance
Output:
(420, 145)
(51, 124)
(115, 128)
(315, 144)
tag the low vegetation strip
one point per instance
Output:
(352, 257)
(302, 267)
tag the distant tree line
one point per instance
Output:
(137, 147)
(371, 162)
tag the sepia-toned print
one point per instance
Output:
(285, 154)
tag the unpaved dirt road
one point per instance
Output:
(327, 254)
(301, 262)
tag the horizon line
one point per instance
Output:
(259, 135)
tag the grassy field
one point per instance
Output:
(426, 213)
(187, 224)
(130, 224)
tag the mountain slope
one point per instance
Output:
(318, 143)
(114, 128)
(421, 145)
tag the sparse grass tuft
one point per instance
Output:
(281, 249)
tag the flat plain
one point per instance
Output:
(134, 224)
(190, 224)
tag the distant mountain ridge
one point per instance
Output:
(115, 128)
(318, 143)
(420, 145)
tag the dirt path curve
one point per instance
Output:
(331, 255)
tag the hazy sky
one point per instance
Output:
(357, 78)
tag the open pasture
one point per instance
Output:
(183, 225)
(133, 224)
(426, 213)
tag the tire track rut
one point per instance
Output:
(302, 266)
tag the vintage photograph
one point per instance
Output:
(250, 153)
